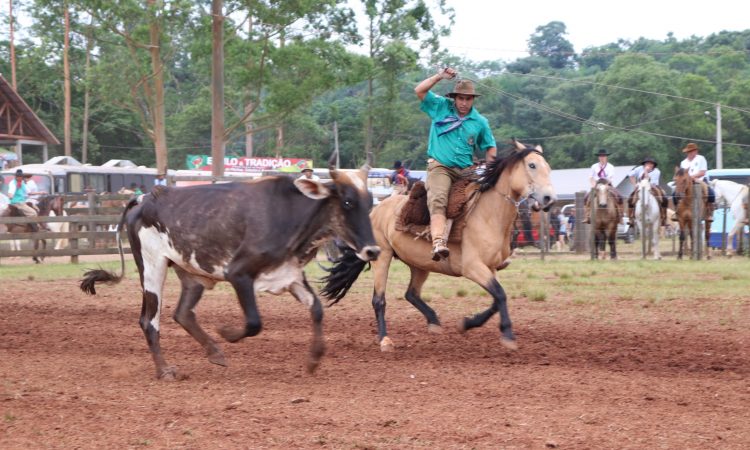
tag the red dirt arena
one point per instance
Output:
(75, 372)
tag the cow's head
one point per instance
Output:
(351, 203)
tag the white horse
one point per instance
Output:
(735, 196)
(647, 207)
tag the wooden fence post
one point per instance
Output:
(543, 232)
(592, 225)
(644, 229)
(91, 199)
(579, 235)
(697, 216)
(724, 243)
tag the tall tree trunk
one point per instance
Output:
(217, 88)
(368, 124)
(66, 78)
(160, 135)
(280, 128)
(12, 47)
(249, 130)
(85, 137)
(250, 105)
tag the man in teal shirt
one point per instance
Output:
(457, 129)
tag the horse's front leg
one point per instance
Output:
(613, 245)
(682, 243)
(485, 277)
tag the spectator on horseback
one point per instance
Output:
(696, 166)
(647, 169)
(399, 178)
(18, 192)
(457, 129)
(601, 172)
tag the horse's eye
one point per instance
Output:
(532, 166)
(348, 204)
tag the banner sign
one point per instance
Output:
(245, 164)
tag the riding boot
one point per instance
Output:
(439, 243)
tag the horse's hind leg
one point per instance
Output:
(613, 245)
(380, 276)
(413, 296)
(184, 315)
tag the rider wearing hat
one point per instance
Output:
(307, 172)
(696, 167)
(648, 169)
(457, 129)
(602, 170)
(18, 192)
(400, 178)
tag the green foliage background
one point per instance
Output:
(571, 102)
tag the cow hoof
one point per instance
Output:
(167, 374)
(217, 357)
(434, 328)
(312, 364)
(510, 344)
(232, 334)
(462, 326)
(386, 345)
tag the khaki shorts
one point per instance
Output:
(440, 178)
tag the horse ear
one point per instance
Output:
(519, 145)
(539, 148)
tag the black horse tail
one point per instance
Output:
(342, 276)
(93, 276)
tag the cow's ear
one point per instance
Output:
(312, 188)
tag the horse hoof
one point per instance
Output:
(386, 345)
(231, 334)
(217, 357)
(167, 374)
(510, 344)
(434, 328)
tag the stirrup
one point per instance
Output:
(439, 250)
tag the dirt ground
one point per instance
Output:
(75, 372)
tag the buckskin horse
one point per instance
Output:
(481, 249)
(605, 214)
(683, 193)
(256, 235)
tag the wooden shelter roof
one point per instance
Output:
(18, 121)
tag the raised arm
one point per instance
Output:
(425, 85)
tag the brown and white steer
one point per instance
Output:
(258, 236)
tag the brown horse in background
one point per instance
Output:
(605, 215)
(482, 249)
(683, 193)
(46, 206)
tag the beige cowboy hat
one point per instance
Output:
(690, 147)
(463, 87)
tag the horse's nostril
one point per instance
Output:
(547, 199)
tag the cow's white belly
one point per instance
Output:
(158, 245)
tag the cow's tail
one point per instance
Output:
(342, 276)
(93, 276)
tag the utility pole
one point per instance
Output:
(336, 142)
(719, 156)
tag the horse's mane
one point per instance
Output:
(602, 181)
(509, 158)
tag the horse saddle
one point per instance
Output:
(414, 217)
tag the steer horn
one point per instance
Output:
(332, 169)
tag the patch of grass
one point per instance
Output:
(537, 295)
(461, 292)
(9, 417)
(565, 276)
